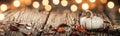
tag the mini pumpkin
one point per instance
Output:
(91, 22)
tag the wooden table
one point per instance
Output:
(42, 20)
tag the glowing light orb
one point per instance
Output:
(36, 4)
(78, 1)
(3, 7)
(16, 3)
(85, 6)
(45, 2)
(48, 7)
(110, 4)
(64, 3)
(119, 10)
(2, 16)
(56, 2)
(92, 1)
(74, 8)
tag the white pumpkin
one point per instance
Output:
(93, 22)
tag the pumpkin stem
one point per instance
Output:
(91, 13)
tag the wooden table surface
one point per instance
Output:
(41, 20)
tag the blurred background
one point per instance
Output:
(110, 7)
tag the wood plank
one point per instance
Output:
(37, 22)
(50, 21)
(55, 20)
(27, 16)
(63, 15)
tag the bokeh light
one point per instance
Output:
(78, 1)
(45, 2)
(64, 3)
(119, 10)
(16, 3)
(56, 2)
(74, 8)
(36, 4)
(48, 7)
(3, 7)
(110, 4)
(92, 1)
(85, 6)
